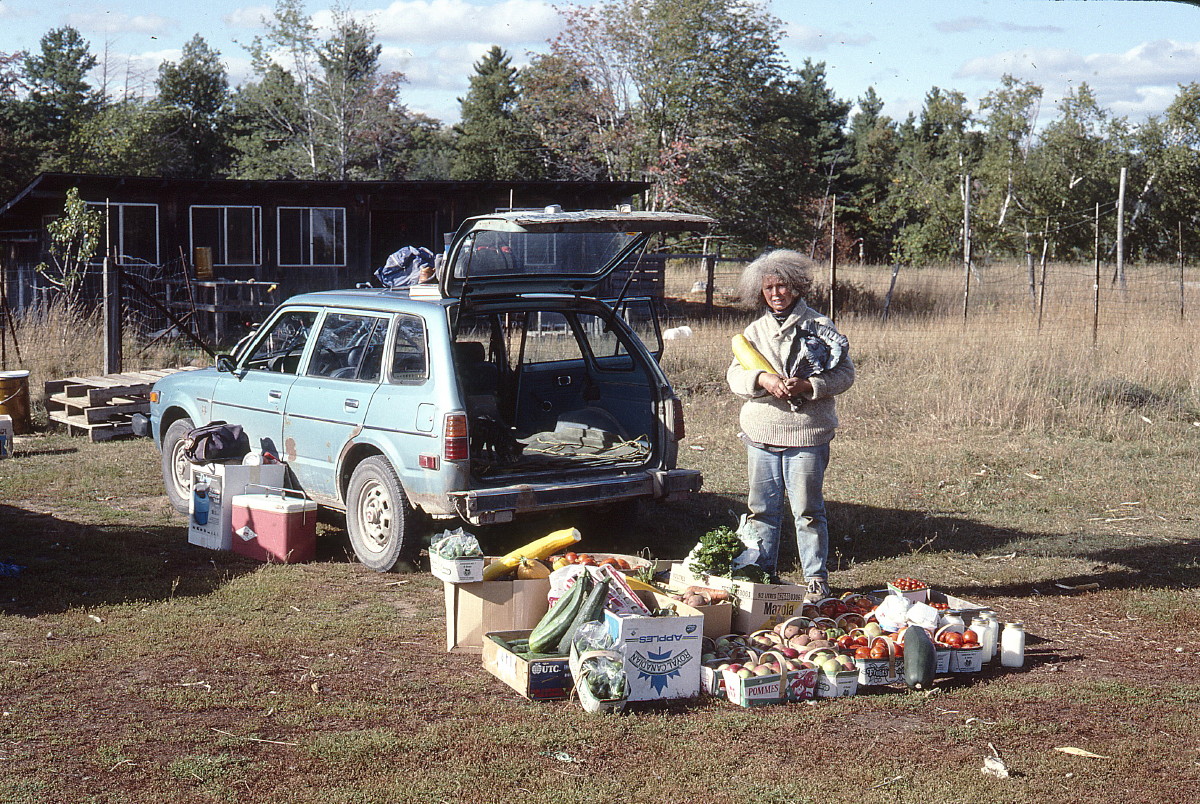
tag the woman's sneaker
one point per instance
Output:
(818, 589)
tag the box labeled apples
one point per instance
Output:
(474, 609)
(536, 679)
(662, 654)
(225, 481)
(757, 605)
(456, 570)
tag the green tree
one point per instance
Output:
(60, 97)
(868, 178)
(195, 91)
(319, 109)
(17, 152)
(1000, 215)
(1075, 166)
(125, 138)
(934, 152)
(561, 105)
(492, 142)
(74, 241)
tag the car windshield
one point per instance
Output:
(489, 253)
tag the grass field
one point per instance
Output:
(1000, 463)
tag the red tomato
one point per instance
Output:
(878, 652)
(952, 639)
(970, 638)
(572, 557)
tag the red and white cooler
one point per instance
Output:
(279, 526)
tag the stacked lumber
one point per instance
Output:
(102, 407)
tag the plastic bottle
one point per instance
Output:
(200, 503)
(1012, 645)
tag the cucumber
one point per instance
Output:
(550, 629)
(592, 609)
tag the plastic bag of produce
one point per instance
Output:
(456, 543)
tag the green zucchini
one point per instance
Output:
(592, 609)
(550, 629)
(920, 658)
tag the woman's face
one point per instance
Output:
(778, 296)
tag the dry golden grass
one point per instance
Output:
(56, 342)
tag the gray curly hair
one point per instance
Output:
(790, 266)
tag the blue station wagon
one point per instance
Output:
(506, 388)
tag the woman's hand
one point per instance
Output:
(783, 389)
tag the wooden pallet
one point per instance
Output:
(102, 407)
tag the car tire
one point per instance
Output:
(379, 518)
(176, 469)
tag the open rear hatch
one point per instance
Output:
(550, 251)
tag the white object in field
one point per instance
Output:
(1012, 645)
(677, 333)
(700, 286)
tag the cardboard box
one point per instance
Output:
(966, 660)
(800, 685)
(456, 570)
(842, 684)
(537, 679)
(758, 605)
(226, 481)
(662, 654)
(474, 609)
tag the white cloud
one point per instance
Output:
(968, 24)
(249, 17)
(505, 23)
(817, 40)
(1138, 82)
(116, 23)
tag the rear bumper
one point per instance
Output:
(485, 506)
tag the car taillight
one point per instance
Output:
(456, 438)
(676, 421)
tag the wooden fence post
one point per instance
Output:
(887, 304)
(966, 245)
(1096, 284)
(833, 259)
(710, 279)
(112, 317)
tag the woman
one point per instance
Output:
(789, 416)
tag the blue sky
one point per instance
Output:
(1132, 53)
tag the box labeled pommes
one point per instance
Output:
(536, 679)
(796, 685)
(756, 605)
(662, 654)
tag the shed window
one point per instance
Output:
(132, 231)
(233, 233)
(312, 236)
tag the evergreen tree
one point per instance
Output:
(492, 143)
(874, 144)
(60, 97)
(195, 91)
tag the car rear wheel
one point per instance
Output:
(379, 517)
(176, 469)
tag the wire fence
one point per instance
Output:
(1070, 295)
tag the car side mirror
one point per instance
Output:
(226, 363)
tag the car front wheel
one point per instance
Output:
(176, 469)
(379, 517)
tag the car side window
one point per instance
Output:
(409, 352)
(283, 345)
(349, 347)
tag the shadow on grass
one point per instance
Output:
(860, 533)
(53, 564)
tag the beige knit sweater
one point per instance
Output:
(768, 420)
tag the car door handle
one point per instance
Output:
(351, 404)
(563, 380)
(274, 394)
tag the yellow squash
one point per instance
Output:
(538, 548)
(749, 357)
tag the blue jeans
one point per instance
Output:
(800, 472)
